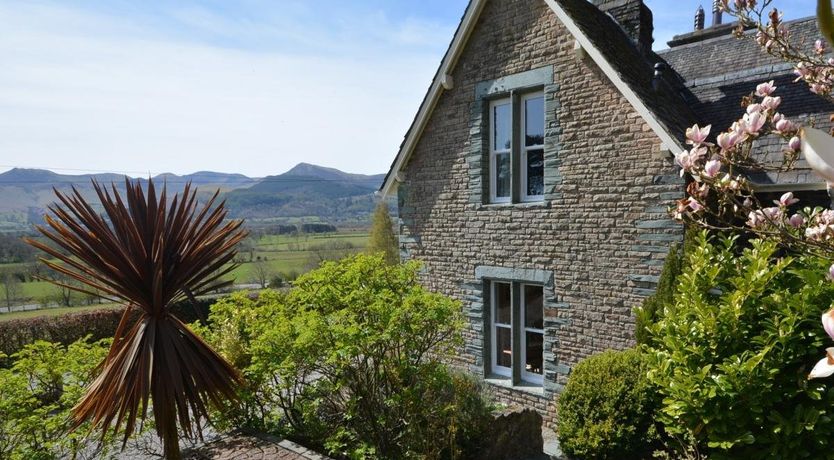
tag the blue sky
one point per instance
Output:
(251, 86)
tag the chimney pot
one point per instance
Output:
(659, 71)
(716, 12)
(699, 18)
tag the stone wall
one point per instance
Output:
(601, 233)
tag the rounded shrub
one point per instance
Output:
(607, 408)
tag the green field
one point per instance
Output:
(283, 254)
(278, 255)
(52, 311)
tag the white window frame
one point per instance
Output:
(497, 369)
(524, 148)
(494, 152)
(515, 326)
(537, 379)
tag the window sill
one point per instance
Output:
(519, 205)
(506, 382)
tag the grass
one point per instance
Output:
(282, 254)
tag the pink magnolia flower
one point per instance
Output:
(753, 122)
(829, 323)
(752, 108)
(824, 367)
(795, 143)
(786, 199)
(697, 135)
(784, 125)
(755, 219)
(771, 103)
(711, 168)
(694, 204)
(727, 140)
(827, 217)
(773, 213)
(747, 203)
(765, 89)
(819, 47)
(796, 221)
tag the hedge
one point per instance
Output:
(67, 328)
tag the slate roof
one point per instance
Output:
(714, 74)
(632, 65)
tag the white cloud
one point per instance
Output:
(82, 90)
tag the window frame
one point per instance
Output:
(525, 149)
(516, 326)
(494, 152)
(495, 325)
(530, 377)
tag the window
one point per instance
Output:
(528, 184)
(525, 322)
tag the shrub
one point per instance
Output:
(350, 360)
(68, 328)
(647, 313)
(731, 354)
(38, 391)
(607, 408)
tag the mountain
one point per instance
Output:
(305, 191)
(308, 191)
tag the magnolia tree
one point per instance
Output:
(721, 194)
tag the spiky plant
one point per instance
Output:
(147, 254)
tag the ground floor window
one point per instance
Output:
(517, 330)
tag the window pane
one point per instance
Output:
(504, 347)
(534, 118)
(534, 351)
(502, 175)
(503, 303)
(533, 308)
(535, 172)
(501, 129)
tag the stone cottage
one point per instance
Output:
(535, 180)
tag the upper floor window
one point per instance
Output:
(527, 154)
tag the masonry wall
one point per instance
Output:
(601, 234)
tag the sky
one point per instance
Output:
(247, 86)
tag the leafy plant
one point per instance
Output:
(730, 356)
(647, 313)
(38, 390)
(607, 408)
(147, 253)
(382, 237)
(350, 360)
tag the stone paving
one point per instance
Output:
(252, 447)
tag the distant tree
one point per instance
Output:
(331, 250)
(261, 272)
(383, 238)
(11, 287)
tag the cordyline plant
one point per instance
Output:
(721, 196)
(147, 253)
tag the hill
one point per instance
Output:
(308, 191)
(305, 192)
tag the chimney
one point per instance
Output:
(699, 18)
(716, 13)
(634, 17)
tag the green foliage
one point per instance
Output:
(647, 313)
(730, 356)
(38, 391)
(383, 239)
(70, 327)
(608, 407)
(349, 359)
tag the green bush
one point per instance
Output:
(68, 328)
(38, 391)
(730, 356)
(607, 408)
(350, 360)
(647, 313)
